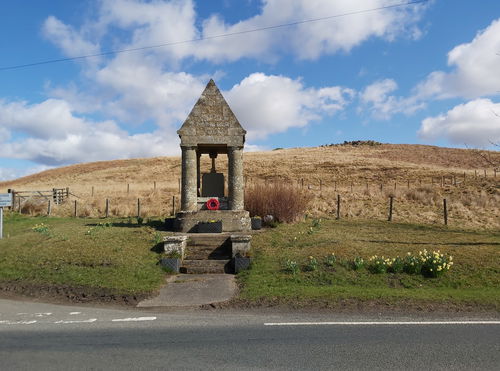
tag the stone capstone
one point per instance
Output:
(175, 244)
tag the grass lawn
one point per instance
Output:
(474, 279)
(114, 257)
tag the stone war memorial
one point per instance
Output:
(211, 220)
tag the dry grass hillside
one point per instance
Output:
(419, 177)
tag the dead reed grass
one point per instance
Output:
(284, 202)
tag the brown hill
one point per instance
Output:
(418, 176)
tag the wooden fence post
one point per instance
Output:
(335, 186)
(173, 205)
(338, 206)
(138, 207)
(13, 198)
(352, 186)
(408, 183)
(485, 173)
(92, 191)
(74, 213)
(320, 185)
(154, 185)
(128, 188)
(107, 207)
(48, 208)
(381, 187)
(391, 198)
(179, 181)
(395, 184)
(445, 209)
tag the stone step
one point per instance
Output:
(207, 253)
(199, 266)
(208, 239)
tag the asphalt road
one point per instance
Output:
(37, 336)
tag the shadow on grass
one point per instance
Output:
(158, 225)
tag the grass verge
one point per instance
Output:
(472, 281)
(80, 259)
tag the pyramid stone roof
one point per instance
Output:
(211, 122)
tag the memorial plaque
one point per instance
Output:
(212, 185)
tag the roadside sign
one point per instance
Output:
(5, 199)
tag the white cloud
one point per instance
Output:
(308, 40)
(271, 104)
(175, 21)
(53, 135)
(137, 90)
(49, 119)
(474, 123)
(476, 69)
(376, 97)
(72, 42)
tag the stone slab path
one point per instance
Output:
(188, 290)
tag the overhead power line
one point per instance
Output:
(173, 43)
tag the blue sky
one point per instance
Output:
(422, 73)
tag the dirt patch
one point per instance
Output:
(359, 306)
(68, 294)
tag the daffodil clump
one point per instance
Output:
(358, 263)
(41, 228)
(378, 264)
(291, 266)
(312, 264)
(381, 264)
(412, 264)
(434, 263)
(330, 260)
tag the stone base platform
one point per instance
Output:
(232, 220)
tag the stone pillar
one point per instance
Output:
(235, 181)
(189, 195)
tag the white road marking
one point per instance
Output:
(133, 319)
(42, 314)
(74, 313)
(376, 323)
(17, 322)
(78, 321)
